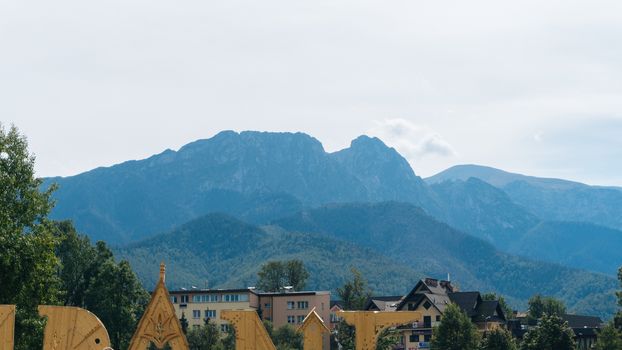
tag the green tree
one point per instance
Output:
(540, 306)
(271, 276)
(28, 265)
(206, 337)
(286, 338)
(275, 275)
(296, 274)
(354, 293)
(183, 321)
(551, 333)
(609, 338)
(118, 299)
(455, 332)
(507, 310)
(498, 339)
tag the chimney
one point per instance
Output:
(431, 282)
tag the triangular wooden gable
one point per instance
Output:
(159, 324)
(313, 328)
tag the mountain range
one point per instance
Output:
(283, 187)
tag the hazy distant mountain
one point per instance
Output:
(497, 177)
(227, 253)
(408, 235)
(549, 199)
(268, 174)
(483, 210)
(592, 247)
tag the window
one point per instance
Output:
(414, 338)
(267, 305)
(300, 319)
(438, 318)
(173, 299)
(184, 299)
(243, 297)
(427, 321)
(224, 328)
(196, 313)
(411, 307)
(210, 313)
(427, 338)
(214, 298)
(232, 298)
(290, 305)
(291, 319)
(196, 298)
(303, 305)
(427, 305)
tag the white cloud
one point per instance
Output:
(415, 142)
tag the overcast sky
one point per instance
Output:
(528, 86)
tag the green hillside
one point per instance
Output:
(417, 240)
(225, 252)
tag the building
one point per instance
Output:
(585, 329)
(281, 308)
(198, 304)
(431, 297)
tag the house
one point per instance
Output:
(585, 329)
(431, 297)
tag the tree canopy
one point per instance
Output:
(498, 339)
(455, 332)
(274, 275)
(28, 264)
(609, 338)
(551, 333)
(354, 292)
(540, 306)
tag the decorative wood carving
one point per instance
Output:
(72, 328)
(159, 325)
(250, 334)
(369, 324)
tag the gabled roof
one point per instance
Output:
(382, 303)
(580, 321)
(467, 301)
(427, 286)
(489, 310)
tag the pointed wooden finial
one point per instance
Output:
(162, 272)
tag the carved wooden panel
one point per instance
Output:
(7, 326)
(313, 329)
(369, 324)
(250, 334)
(72, 328)
(159, 324)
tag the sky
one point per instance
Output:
(533, 87)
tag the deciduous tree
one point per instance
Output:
(28, 265)
(498, 339)
(551, 333)
(609, 338)
(455, 332)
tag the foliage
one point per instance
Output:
(455, 332)
(507, 310)
(551, 333)
(28, 264)
(183, 321)
(388, 339)
(354, 293)
(344, 335)
(118, 299)
(540, 306)
(287, 338)
(274, 275)
(618, 316)
(609, 338)
(205, 337)
(498, 339)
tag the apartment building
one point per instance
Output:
(281, 308)
(198, 304)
